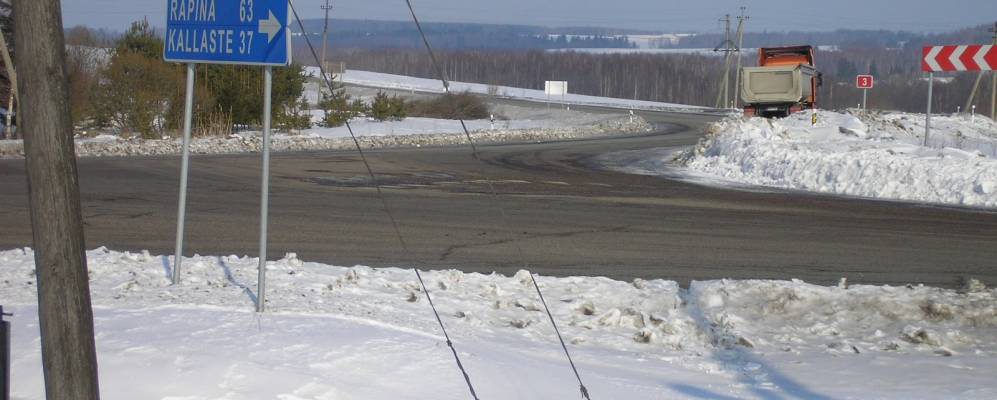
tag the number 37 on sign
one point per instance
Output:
(252, 32)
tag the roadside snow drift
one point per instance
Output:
(863, 154)
(363, 333)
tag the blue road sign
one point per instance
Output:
(253, 32)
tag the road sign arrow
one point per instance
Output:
(930, 62)
(986, 58)
(271, 27)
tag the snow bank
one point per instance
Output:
(420, 126)
(862, 154)
(358, 332)
(371, 135)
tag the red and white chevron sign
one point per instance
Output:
(972, 57)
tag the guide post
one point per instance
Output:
(244, 32)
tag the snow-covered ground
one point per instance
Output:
(362, 333)
(865, 154)
(407, 83)
(422, 126)
(411, 132)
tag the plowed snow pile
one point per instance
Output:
(865, 154)
(364, 333)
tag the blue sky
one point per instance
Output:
(657, 15)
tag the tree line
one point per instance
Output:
(130, 89)
(689, 79)
(678, 78)
(345, 33)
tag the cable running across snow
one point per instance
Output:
(494, 193)
(384, 205)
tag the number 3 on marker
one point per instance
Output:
(246, 10)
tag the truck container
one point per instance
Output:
(785, 82)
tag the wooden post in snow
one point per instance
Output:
(69, 360)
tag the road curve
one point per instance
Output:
(562, 216)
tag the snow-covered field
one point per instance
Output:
(407, 83)
(362, 333)
(865, 154)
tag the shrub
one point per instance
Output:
(450, 106)
(137, 94)
(387, 108)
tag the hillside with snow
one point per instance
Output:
(413, 84)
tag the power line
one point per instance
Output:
(494, 194)
(387, 210)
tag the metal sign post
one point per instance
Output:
(261, 290)
(972, 57)
(184, 168)
(927, 116)
(242, 32)
(864, 82)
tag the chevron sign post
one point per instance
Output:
(959, 58)
(973, 57)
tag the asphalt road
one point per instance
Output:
(563, 216)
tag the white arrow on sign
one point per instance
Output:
(930, 58)
(980, 58)
(270, 26)
(954, 58)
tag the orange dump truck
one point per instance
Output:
(785, 81)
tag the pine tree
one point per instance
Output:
(337, 107)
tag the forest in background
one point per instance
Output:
(677, 78)
(893, 57)
(345, 33)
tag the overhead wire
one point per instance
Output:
(386, 209)
(494, 194)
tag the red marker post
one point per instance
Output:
(864, 82)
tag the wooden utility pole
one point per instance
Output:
(979, 79)
(325, 34)
(727, 47)
(993, 83)
(69, 360)
(740, 44)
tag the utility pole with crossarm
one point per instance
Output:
(993, 83)
(325, 33)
